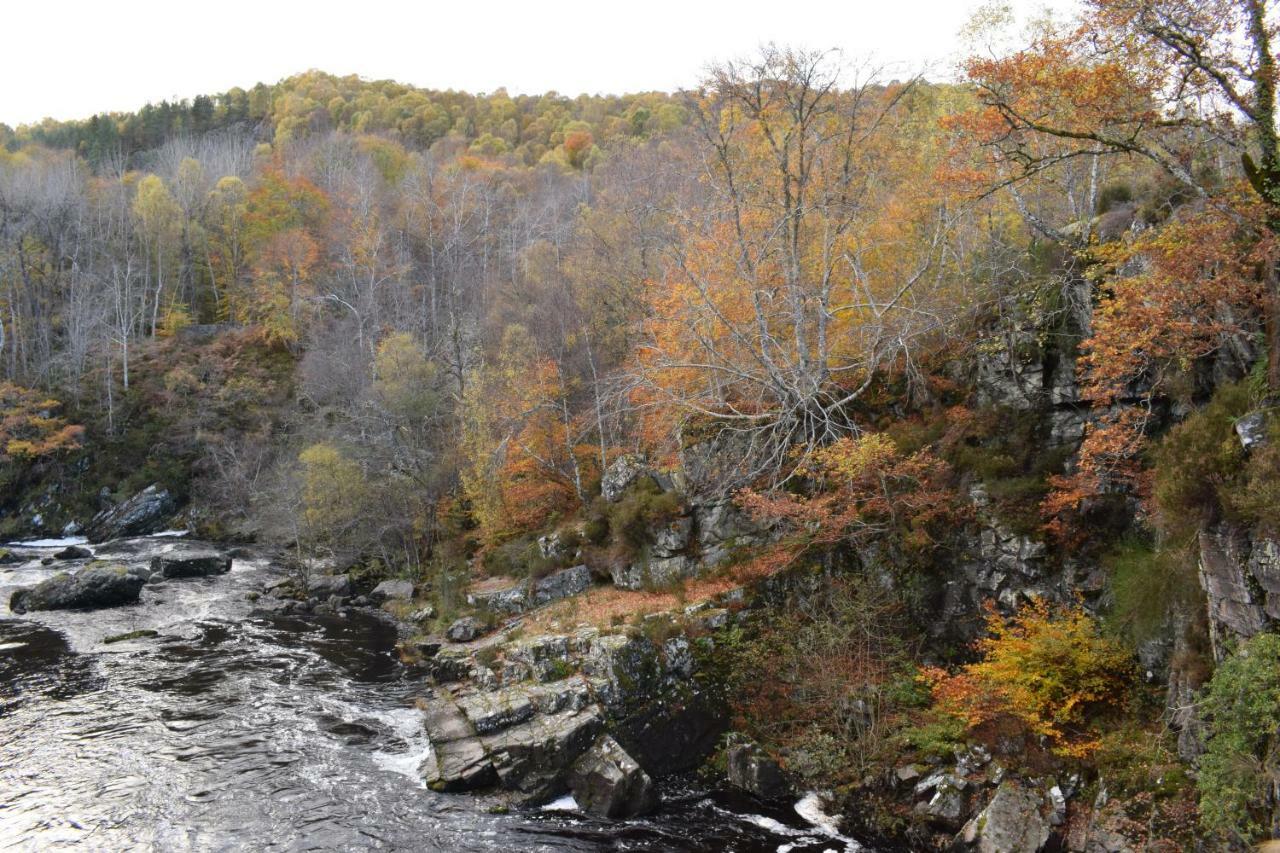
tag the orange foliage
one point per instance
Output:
(1050, 669)
(1173, 295)
(29, 427)
(862, 487)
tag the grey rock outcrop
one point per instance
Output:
(1013, 822)
(523, 739)
(392, 590)
(534, 593)
(145, 512)
(561, 584)
(943, 800)
(1252, 430)
(608, 782)
(89, 588)
(519, 720)
(653, 572)
(624, 471)
(457, 761)
(1240, 576)
(465, 630)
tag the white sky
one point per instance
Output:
(71, 58)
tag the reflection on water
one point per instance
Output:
(232, 732)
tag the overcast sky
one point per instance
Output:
(72, 58)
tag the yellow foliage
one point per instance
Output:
(333, 490)
(1048, 668)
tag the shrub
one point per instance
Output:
(1050, 670)
(1199, 463)
(833, 663)
(1237, 772)
(519, 557)
(596, 528)
(644, 506)
(1146, 584)
(1114, 195)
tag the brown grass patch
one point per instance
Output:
(607, 606)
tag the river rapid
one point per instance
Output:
(231, 731)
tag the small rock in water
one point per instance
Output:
(74, 552)
(753, 771)
(132, 635)
(191, 563)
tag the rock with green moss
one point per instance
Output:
(88, 589)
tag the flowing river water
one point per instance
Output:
(228, 731)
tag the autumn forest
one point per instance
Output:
(954, 394)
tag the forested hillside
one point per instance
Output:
(970, 385)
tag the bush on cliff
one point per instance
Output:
(1050, 670)
(1240, 769)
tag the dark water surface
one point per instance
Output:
(230, 732)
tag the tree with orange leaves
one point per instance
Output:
(522, 464)
(810, 264)
(1174, 295)
(281, 217)
(1174, 83)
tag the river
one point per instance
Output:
(229, 731)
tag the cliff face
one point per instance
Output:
(1239, 571)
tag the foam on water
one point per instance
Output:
(810, 808)
(60, 542)
(562, 804)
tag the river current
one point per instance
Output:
(228, 731)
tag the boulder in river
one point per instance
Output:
(89, 588)
(74, 552)
(608, 782)
(145, 512)
(751, 770)
(191, 562)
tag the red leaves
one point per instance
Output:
(862, 487)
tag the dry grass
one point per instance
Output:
(606, 606)
(495, 583)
